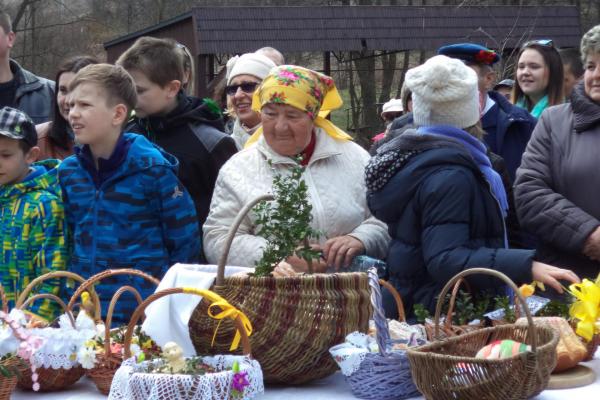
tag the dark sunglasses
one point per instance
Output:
(247, 87)
(540, 42)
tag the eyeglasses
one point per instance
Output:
(540, 42)
(247, 87)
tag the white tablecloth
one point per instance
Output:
(332, 388)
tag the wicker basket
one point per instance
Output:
(296, 319)
(107, 363)
(448, 369)
(448, 329)
(102, 374)
(138, 385)
(7, 383)
(51, 379)
(383, 375)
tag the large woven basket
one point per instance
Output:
(448, 369)
(107, 364)
(51, 379)
(138, 384)
(7, 383)
(383, 375)
(296, 319)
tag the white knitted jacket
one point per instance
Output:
(337, 192)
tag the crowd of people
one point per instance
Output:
(126, 169)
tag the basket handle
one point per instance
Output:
(397, 298)
(239, 323)
(111, 310)
(50, 296)
(231, 235)
(450, 313)
(531, 332)
(54, 275)
(105, 274)
(3, 300)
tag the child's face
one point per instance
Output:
(90, 115)
(153, 99)
(14, 163)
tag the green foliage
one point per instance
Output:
(503, 302)
(12, 369)
(466, 308)
(285, 222)
(421, 313)
(555, 309)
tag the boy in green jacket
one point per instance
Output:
(33, 235)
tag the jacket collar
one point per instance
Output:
(46, 179)
(325, 147)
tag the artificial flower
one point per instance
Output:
(586, 309)
(86, 357)
(240, 381)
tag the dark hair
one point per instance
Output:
(572, 58)
(58, 134)
(158, 59)
(24, 146)
(554, 90)
(5, 21)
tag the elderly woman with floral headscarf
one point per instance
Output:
(290, 99)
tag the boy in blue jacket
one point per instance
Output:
(124, 203)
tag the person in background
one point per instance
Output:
(20, 88)
(289, 100)
(274, 54)
(55, 137)
(508, 127)
(244, 76)
(33, 232)
(125, 206)
(400, 124)
(558, 185)
(188, 83)
(504, 87)
(189, 128)
(539, 77)
(443, 203)
(389, 112)
(573, 69)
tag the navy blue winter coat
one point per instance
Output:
(442, 218)
(508, 129)
(138, 216)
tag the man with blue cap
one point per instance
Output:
(508, 127)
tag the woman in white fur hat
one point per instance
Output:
(244, 74)
(443, 203)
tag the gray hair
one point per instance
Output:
(590, 43)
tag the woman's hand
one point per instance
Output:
(339, 251)
(284, 269)
(549, 275)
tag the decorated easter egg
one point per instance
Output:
(500, 349)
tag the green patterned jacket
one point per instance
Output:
(33, 234)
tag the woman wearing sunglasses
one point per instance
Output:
(558, 184)
(539, 77)
(244, 74)
(288, 101)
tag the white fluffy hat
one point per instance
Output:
(394, 105)
(444, 92)
(249, 64)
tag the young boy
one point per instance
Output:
(33, 235)
(124, 203)
(185, 126)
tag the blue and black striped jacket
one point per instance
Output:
(132, 213)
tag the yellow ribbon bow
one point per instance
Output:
(587, 307)
(227, 311)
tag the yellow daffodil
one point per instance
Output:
(586, 309)
(527, 290)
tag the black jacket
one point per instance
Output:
(193, 133)
(34, 95)
(442, 219)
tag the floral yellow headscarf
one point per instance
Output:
(304, 89)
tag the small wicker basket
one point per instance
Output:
(132, 382)
(383, 375)
(448, 369)
(7, 383)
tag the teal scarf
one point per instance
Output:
(539, 107)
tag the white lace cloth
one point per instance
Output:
(132, 383)
(62, 344)
(167, 318)
(350, 354)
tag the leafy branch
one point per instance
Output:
(285, 222)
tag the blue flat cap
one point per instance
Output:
(470, 53)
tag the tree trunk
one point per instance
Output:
(389, 70)
(364, 62)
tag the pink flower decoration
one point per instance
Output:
(288, 75)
